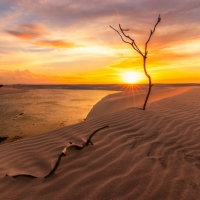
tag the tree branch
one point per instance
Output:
(144, 55)
(133, 42)
(121, 36)
(151, 33)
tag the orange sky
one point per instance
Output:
(55, 41)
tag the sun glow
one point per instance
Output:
(131, 77)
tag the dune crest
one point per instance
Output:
(122, 100)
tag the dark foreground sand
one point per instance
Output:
(152, 154)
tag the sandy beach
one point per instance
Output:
(144, 155)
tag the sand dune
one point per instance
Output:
(122, 100)
(152, 154)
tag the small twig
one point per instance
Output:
(151, 33)
(89, 139)
(56, 165)
(126, 29)
(26, 175)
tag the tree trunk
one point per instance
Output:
(150, 85)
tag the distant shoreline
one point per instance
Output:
(115, 87)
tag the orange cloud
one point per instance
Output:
(33, 28)
(27, 31)
(27, 77)
(55, 43)
(22, 35)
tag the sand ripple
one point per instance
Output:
(152, 154)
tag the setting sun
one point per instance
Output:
(131, 77)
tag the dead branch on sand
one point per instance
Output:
(63, 153)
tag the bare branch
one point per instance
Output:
(151, 33)
(133, 42)
(125, 29)
(120, 36)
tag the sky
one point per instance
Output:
(71, 42)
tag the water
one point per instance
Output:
(42, 110)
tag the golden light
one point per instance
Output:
(131, 77)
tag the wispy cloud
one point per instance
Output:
(23, 35)
(27, 31)
(134, 64)
(38, 34)
(56, 43)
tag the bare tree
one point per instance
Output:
(144, 55)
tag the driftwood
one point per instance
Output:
(73, 145)
(63, 153)
(3, 138)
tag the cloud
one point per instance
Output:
(22, 35)
(36, 32)
(55, 43)
(86, 23)
(39, 35)
(93, 18)
(33, 28)
(133, 64)
(27, 31)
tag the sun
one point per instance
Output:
(130, 77)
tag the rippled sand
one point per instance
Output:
(147, 155)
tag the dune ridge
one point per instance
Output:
(132, 98)
(152, 154)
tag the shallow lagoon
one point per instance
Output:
(42, 110)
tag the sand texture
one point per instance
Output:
(148, 155)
